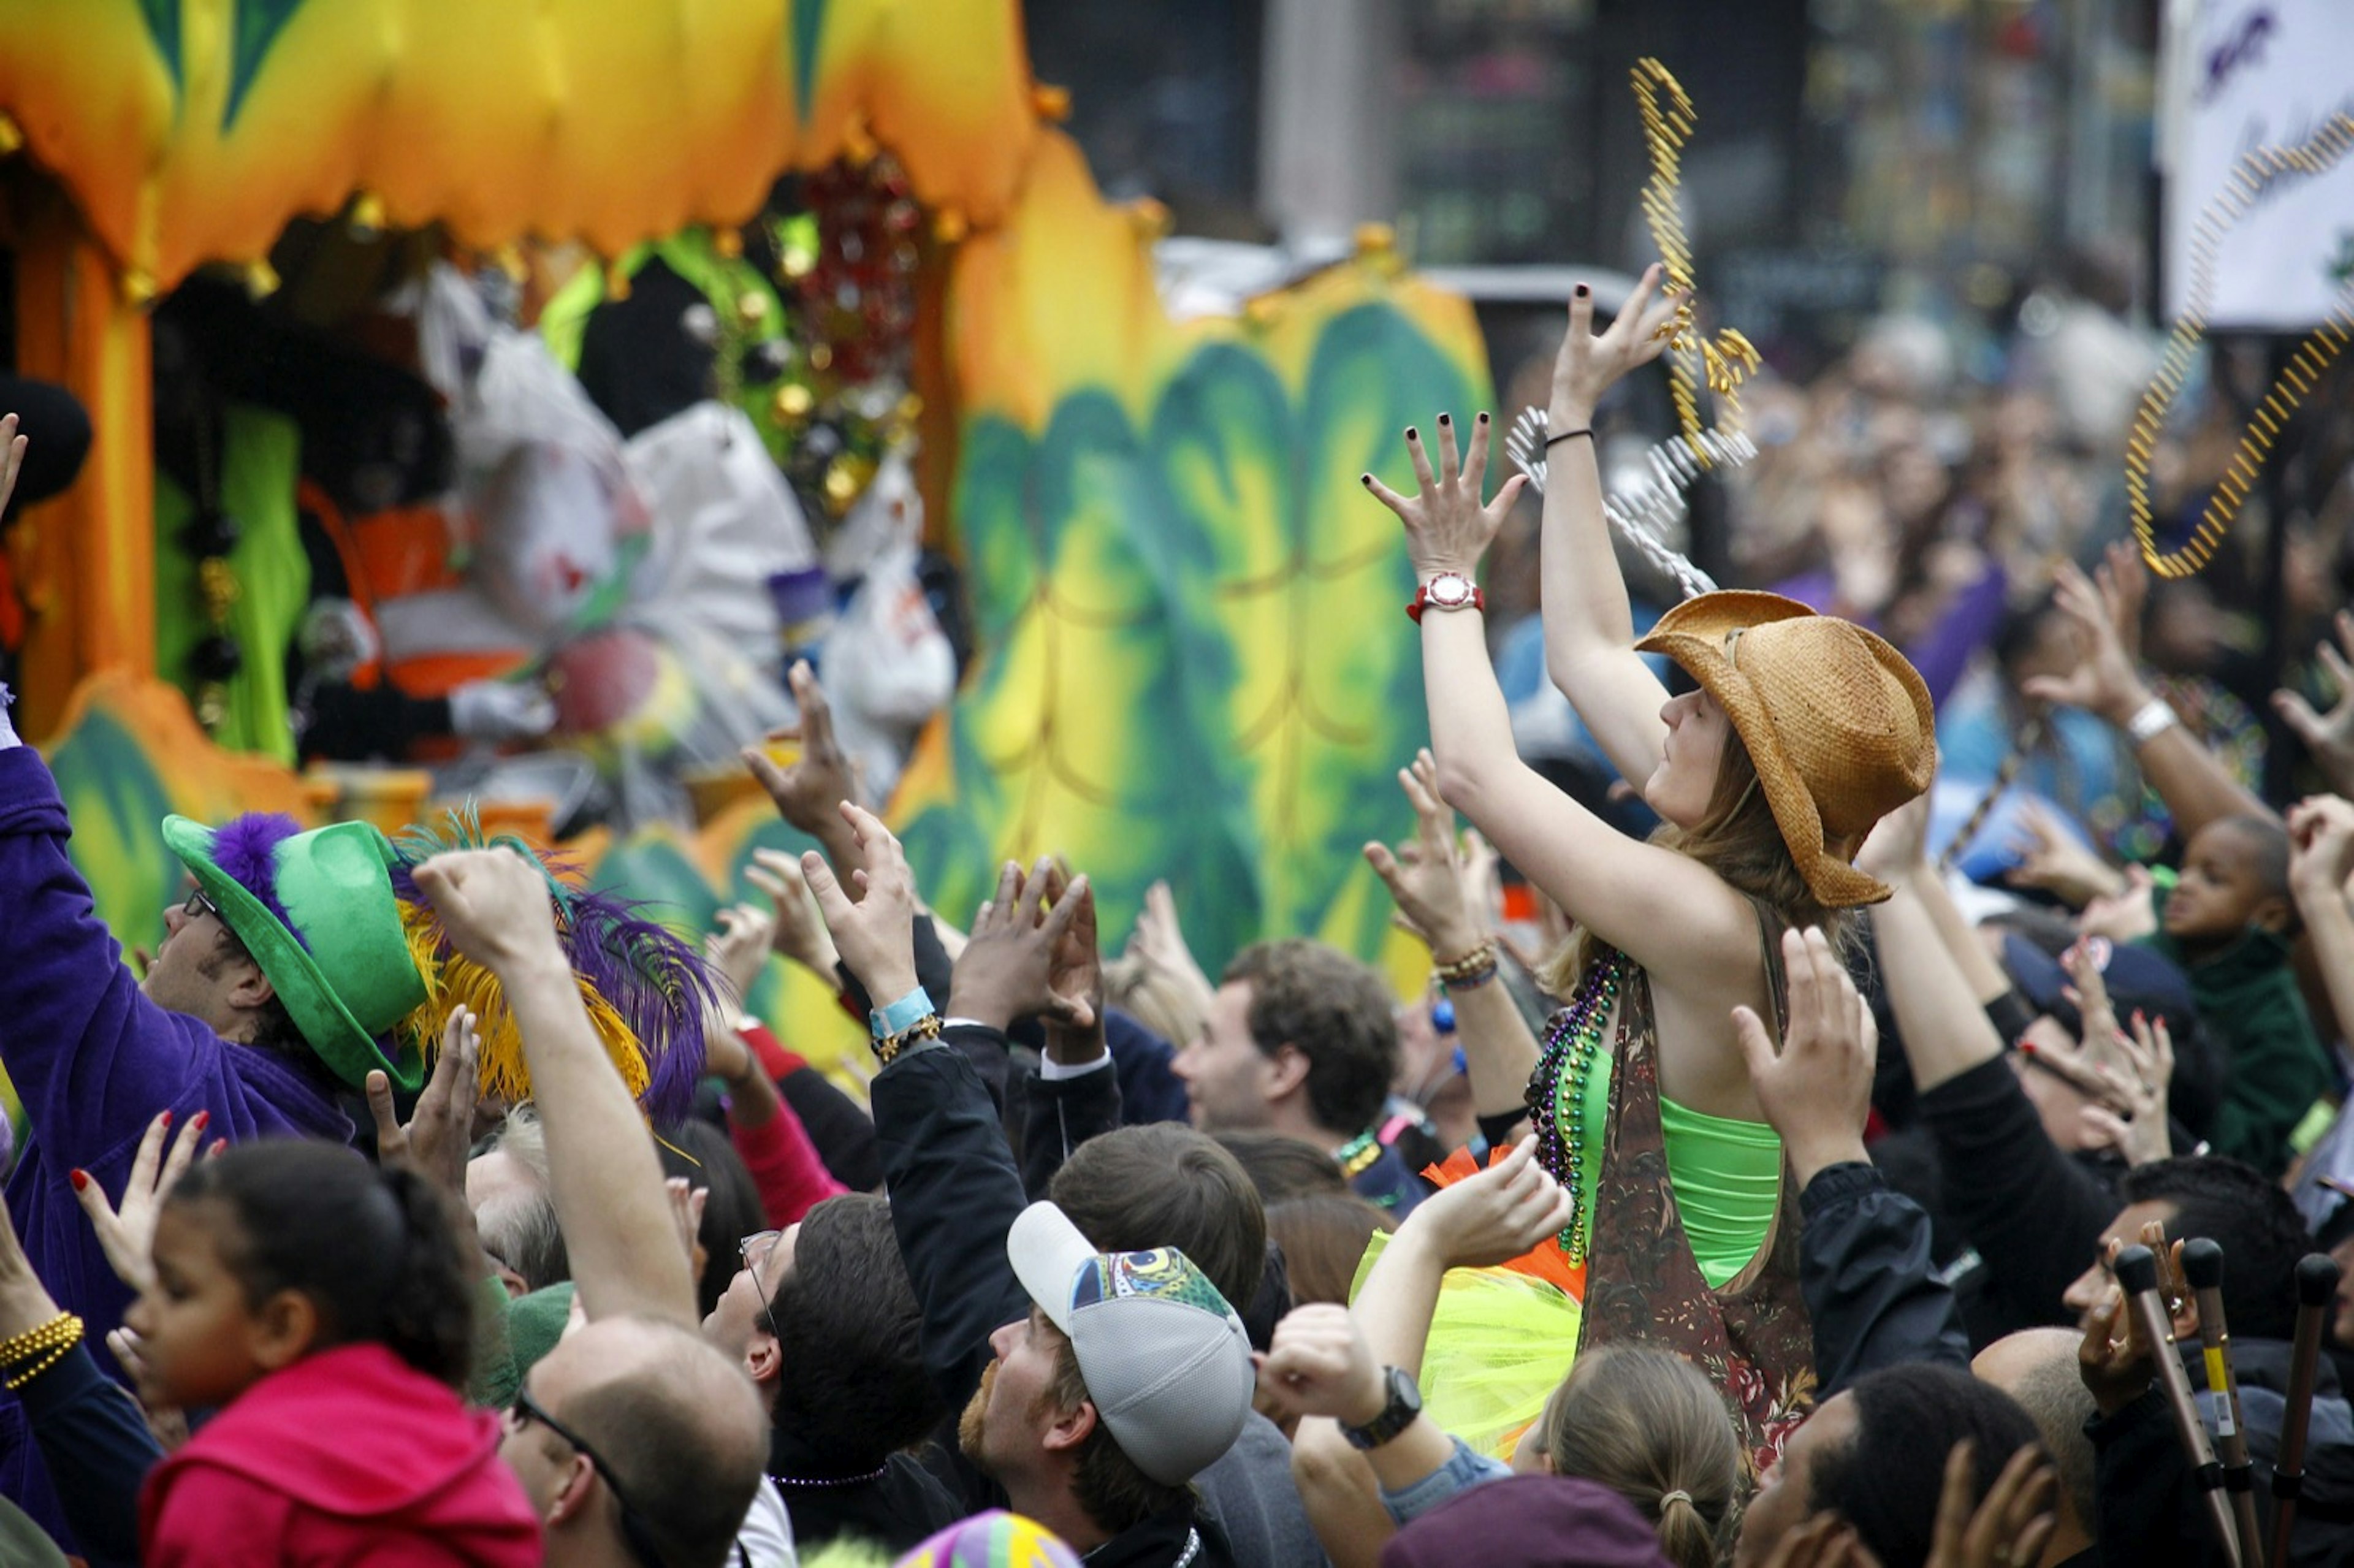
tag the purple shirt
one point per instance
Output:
(93, 1061)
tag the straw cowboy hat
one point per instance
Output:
(1840, 727)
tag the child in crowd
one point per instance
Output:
(2228, 922)
(322, 1307)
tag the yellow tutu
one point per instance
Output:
(1500, 1341)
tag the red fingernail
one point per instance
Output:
(218, 1144)
(167, 1119)
(204, 1120)
(2026, 1047)
(2137, 1018)
(80, 1179)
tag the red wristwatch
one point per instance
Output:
(1448, 590)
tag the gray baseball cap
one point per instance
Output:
(1165, 1359)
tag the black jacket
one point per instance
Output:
(2033, 1214)
(955, 1194)
(901, 1508)
(2151, 1513)
(1871, 1286)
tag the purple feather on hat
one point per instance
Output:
(245, 850)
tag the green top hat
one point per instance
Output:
(349, 976)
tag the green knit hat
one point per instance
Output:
(318, 913)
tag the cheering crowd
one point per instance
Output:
(1780, 1193)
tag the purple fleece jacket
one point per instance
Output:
(93, 1061)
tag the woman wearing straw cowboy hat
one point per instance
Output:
(1804, 731)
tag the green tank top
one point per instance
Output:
(1727, 1175)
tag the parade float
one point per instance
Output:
(1187, 657)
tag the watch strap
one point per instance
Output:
(1405, 1405)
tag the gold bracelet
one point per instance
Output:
(1474, 968)
(887, 1049)
(62, 1329)
(16, 1381)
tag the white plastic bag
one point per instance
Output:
(887, 668)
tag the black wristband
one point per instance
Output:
(1552, 441)
(2010, 1014)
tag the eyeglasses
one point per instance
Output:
(636, 1534)
(763, 1243)
(198, 904)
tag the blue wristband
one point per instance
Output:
(900, 1016)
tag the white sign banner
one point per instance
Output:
(2242, 74)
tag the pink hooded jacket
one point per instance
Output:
(347, 1456)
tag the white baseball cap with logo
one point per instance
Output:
(1165, 1359)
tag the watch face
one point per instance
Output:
(1448, 590)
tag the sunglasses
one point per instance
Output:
(636, 1534)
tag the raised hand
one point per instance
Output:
(2051, 859)
(1898, 844)
(1318, 1363)
(1075, 977)
(1160, 941)
(2128, 916)
(739, 946)
(1446, 529)
(810, 793)
(494, 905)
(1427, 877)
(2328, 736)
(2105, 681)
(438, 1139)
(126, 1233)
(2137, 1130)
(799, 931)
(877, 935)
(1818, 1091)
(1007, 969)
(1496, 1215)
(1589, 362)
(2321, 850)
(2008, 1526)
(2114, 1361)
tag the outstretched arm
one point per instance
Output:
(1669, 912)
(1589, 633)
(602, 1173)
(2193, 781)
(2322, 831)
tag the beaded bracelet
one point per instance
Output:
(1474, 968)
(48, 1343)
(887, 1049)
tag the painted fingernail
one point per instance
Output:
(80, 1179)
(2026, 1047)
(1483, 418)
(1443, 421)
(2137, 1018)
(218, 1144)
(1366, 480)
(166, 1118)
(204, 1120)
(1410, 435)
(1583, 290)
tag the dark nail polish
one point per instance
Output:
(1443, 421)
(1366, 480)
(1483, 418)
(1410, 435)
(1583, 290)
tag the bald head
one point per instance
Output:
(679, 1423)
(2037, 1367)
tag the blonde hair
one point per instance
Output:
(1738, 838)
(1647, 1425)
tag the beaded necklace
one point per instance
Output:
(1357, 1155)
(1556, 1096)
